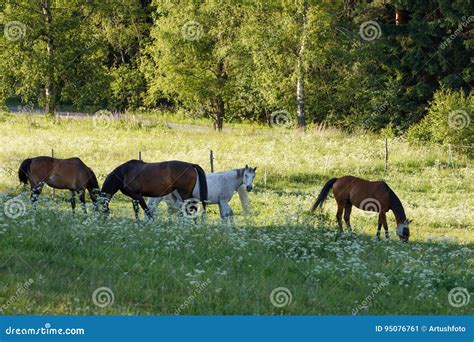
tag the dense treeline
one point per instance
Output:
(350, 63)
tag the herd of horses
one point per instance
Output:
(180, 183)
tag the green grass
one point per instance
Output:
(156, 267)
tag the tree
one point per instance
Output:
(193, 55)
(289, 42)
(50, 52)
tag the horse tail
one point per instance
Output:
(202, 185)
(323, 195)
(24, 170)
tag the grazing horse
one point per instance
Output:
(221, 187)
(368, 196)
(137, 179)
(69, 173)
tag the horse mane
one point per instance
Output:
(396, 205)
(240, 172)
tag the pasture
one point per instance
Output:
(173, 266)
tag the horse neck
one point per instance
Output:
(111, 185)
(233, 177)
(239, 179)
(92, 182)
(397, 207)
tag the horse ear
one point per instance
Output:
(409, 221)
(255, 168)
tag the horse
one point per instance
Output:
(70, 173)
(369, 196)
(221, 188)
(137, 179)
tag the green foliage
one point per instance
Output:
(237, 62)
(127, 86)
(449, 119)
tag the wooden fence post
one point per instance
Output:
(265, 176)
(54, 191)
(139, 155)
(386, 154)
(450, 156)
(211, 158)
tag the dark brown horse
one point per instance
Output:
(368, 196)
(137, 179)
(71, 174)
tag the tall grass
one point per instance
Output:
(155, 267)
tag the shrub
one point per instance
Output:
(448, 121)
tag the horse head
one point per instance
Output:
(248, 177)
(403, 230)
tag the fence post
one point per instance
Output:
(54, 191)
(139, 155)
(450, 156)
(386, 154)
(211, 158)
(265, 176)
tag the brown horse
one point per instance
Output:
(137, 179)
(69, 173)
(368, 196)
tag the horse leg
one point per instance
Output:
(226, 211)
(82, 199)
(384, 223)
(379, 225)
(340, 209)
(73, 200)
(347, 216)
(153, 203)
(139, 198)
(35, 192)
(136, 209)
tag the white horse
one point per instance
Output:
(220, 188)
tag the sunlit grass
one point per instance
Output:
(146, 263)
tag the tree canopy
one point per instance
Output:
(349, 63)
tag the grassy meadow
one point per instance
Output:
(172, 266)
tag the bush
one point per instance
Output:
(448, 121)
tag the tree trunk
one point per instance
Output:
(220, 112)
(398, 16)
(301, 74)
(220, 106)
(49, 89)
